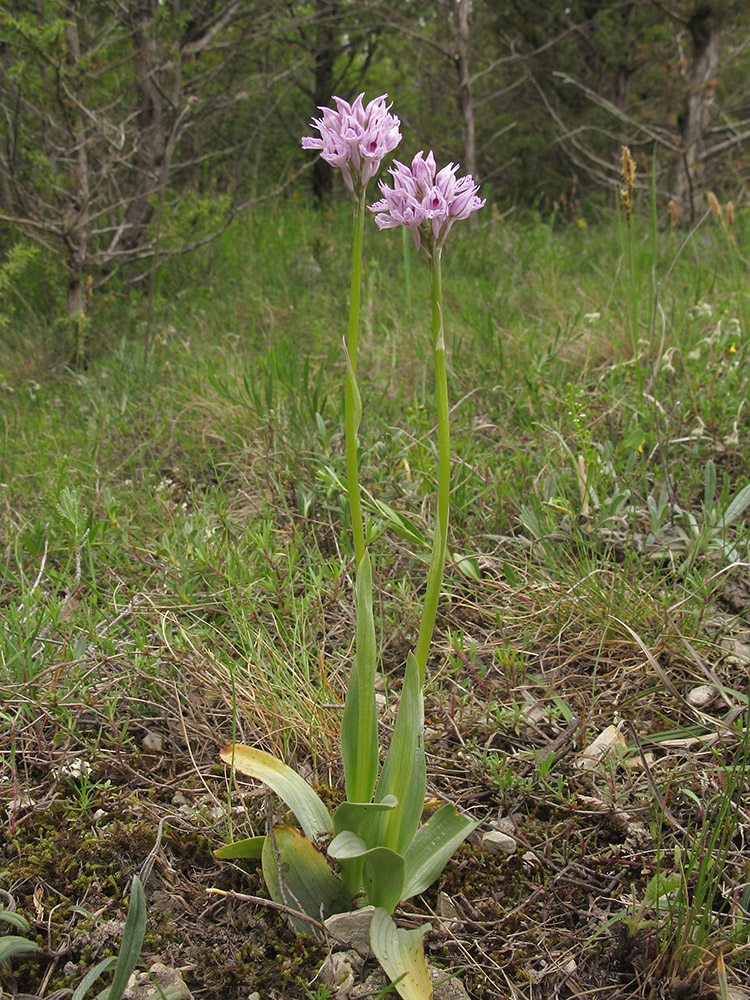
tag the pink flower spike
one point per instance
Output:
(355, 137)
(425, 202)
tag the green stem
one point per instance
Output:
(633, 300)
(351, 396)
(440, 538)
(405, 237)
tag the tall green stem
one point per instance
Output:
(352, 405)
(440, 538)
(624, 221)
(633, 301)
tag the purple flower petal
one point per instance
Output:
(426, 202)
(355, 137)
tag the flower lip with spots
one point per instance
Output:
(355, 137)
(426, 202)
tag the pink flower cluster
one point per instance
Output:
(355, 137)
(426, 202)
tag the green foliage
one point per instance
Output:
(14, 944)
(20, 256)
(204, 564)
(359, 738)
(123, 964)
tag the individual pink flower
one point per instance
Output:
(425, 202)
(355, 137)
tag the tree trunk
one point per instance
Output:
(151, 125)
(76, 233)
(705, 35)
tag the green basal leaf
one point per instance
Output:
(16, 920)
(403, 774)
(382, 869)
(737, 507)
(252, 848)
(12, 944)
(468, 566)
(432, 847)
(383, 878)
(347, 845)
(401, 954)
(91, 977)
(363, 818)
(132, 939)
(400, 523)
(359, 730)
(298, 876)
(293, 790)
(709, 487)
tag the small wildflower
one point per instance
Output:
(701, 310)
(713, 202)
(355, 137)
(426, 202)
(628, 175)
(666, 366)
(732, 349)
(673, 215)
(733, 440)
(592, 317)
(74, 769)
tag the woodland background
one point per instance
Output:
(175, 555)
(137, 130)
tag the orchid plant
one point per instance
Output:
(384, 853)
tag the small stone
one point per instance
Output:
(155, 983)
(340, 970)
(381, 701)
(374, 985)
(352, 930)
(637, 763)
(446, 907)
(178, 799)
(702, 695)
(504, 824)
(610, 743)
(738, 649)
(534, 713)
(152, 742)
(497, 842)
(447, 988)
(254, 996)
